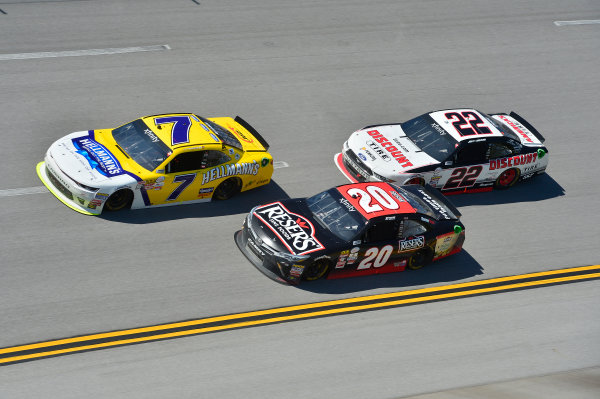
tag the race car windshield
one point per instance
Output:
(141, 144)
(336, 214)
(225, 136)
(430, 137)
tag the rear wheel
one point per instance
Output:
(420, 259)
(227, 189)
(507, 179)
(316, 270)
(120, 199)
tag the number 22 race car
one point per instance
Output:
(351, 230)
(156, 161)
(457, 150)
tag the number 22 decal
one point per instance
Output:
(463, 177)
(376, 257)
(467, 123)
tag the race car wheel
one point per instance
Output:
(120, 199)
(316, 270)
(420, 259)
(227, 189)
(416, 180)
(507, 179)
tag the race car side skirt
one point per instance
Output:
(252, 130)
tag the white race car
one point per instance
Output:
(454, 150)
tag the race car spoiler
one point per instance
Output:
(533, 130)
(253, 131)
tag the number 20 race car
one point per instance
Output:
(457, 150)
(156, 161)
(351, 230)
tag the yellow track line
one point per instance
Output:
(290, 309)
(292, 317)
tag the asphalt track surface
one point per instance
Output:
(305, 74)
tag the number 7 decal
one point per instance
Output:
(185, 181)
(180, 132)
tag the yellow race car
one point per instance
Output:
(156, 160)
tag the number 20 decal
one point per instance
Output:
(376, 257)
(180, 132)
(463, 177)
(376, 193)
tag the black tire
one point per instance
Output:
(507, 179)
(120, 199)
(316, 270)
(420, 259)
(227, 189)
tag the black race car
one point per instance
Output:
(351, 230)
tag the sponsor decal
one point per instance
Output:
(434, 180)
(347, 204)
(264, 162)
(151, 134)
(231, 151)
(412, 243)
(371, 156)
(434, 204)
(152, 184)
(513, 161)
(394, 151)
(362, 156)
(352, 258)
(237, 156)
(295, 232)
(375, 147)
(263, 181)
(445, 243)
(244, 168)
(81, 200)
(438, 128)
(530, 168)
(205, 192)
(98, 156)
(517, 127)
(402, 263)
(342, 259)
(399, 144)
(355, 243)
(240, 134)
(102, 196)
(296, 270)
(94, 203)
(527, 176)
(390, 218)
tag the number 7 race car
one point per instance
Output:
(156, 161)
(458, 150)
(351, 230)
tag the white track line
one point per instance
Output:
(579, 22)
(13, 192)
(79, 53)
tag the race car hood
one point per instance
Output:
(84, 159)
(284, 227)
(388, 149)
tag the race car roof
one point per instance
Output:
(177, 130)
(375, 199)
(465, 124)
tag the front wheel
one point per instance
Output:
(227, 189)
(120, 199)
(507, 179)
(316, 270)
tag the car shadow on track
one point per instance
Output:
(539, 188)
(239, 204)
(451, 269)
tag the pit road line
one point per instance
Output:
(28, 352)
